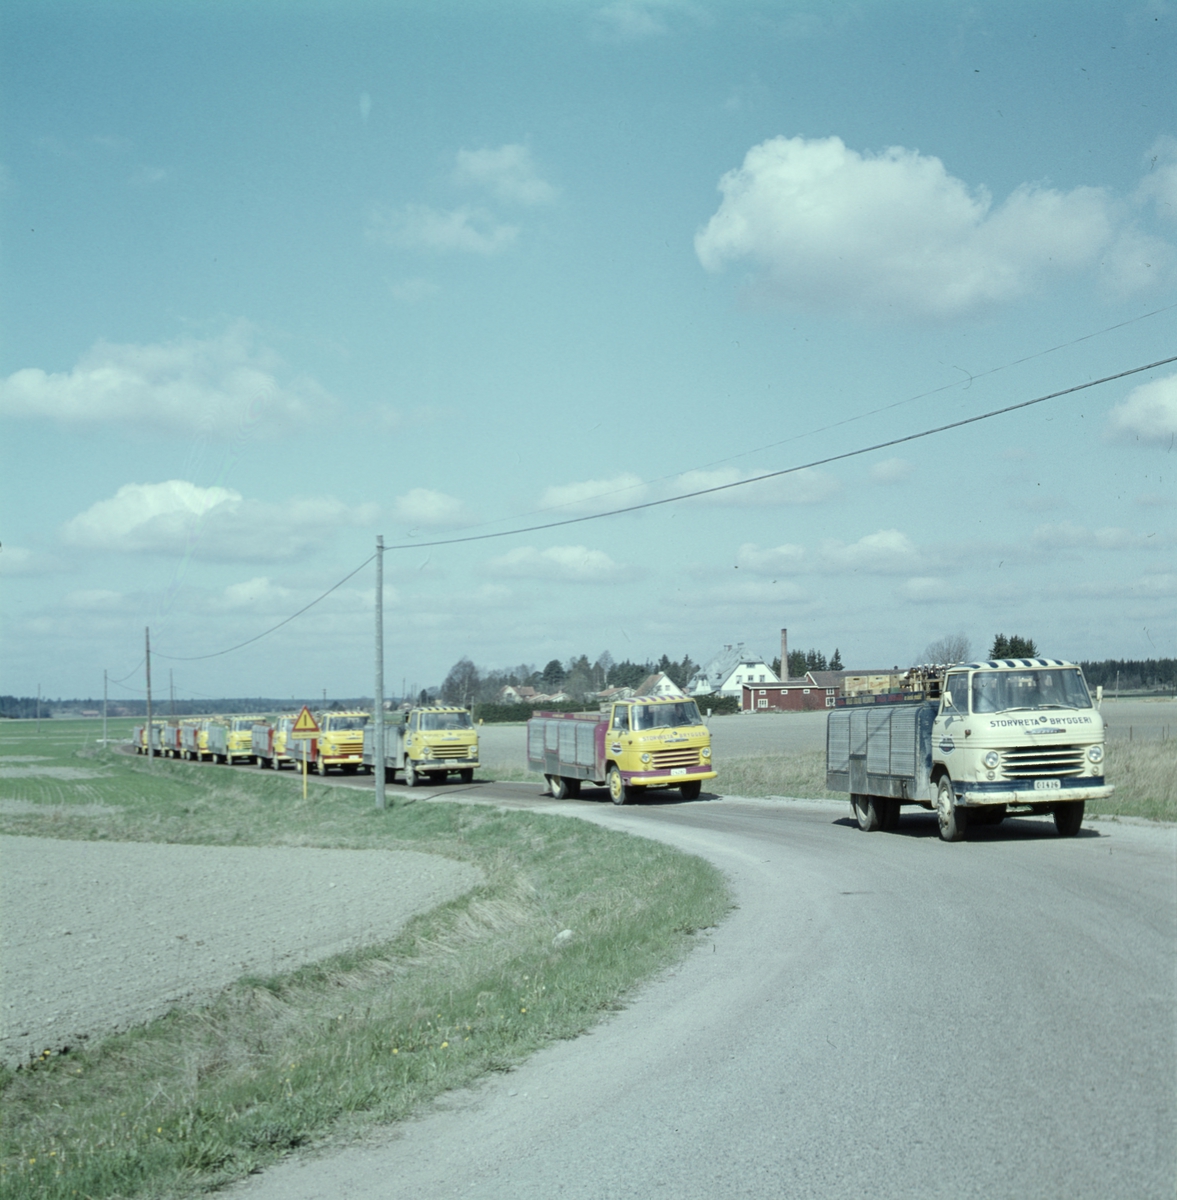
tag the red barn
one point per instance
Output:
(816, 690)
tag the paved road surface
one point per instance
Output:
(884, 1015)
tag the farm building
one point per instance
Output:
(816, 689)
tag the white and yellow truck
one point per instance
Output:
(239, 740)
(637, 744)
(427, 744)
(975, 742)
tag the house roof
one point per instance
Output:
(719, 669)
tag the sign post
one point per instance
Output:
(305, 727)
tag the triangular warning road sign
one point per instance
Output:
(305, 725)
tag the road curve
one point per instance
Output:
(884, 1015)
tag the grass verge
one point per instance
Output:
(1145, 775)
(207, 1095)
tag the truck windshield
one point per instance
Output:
(337, 723)
(1051, 687)
(444, 720)
(666, 716)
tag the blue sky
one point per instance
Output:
(279, 278)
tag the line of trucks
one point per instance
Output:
(973, 742)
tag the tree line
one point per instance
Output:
(579, 678)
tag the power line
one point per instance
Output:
(248, 641)
(130, 672)
(723, 487)
(817, 462)
(873, 412)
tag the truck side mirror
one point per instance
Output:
(1099, 695)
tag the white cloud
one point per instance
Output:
(887, 552)
(593, 495)
(1066, 535)
(148, 176)
(631, 20)
(893, 234)
(222, 387)
(1145, 587)
(16, 560)
(1159, 185)
(892, 470)
(414, 291)
(256, 595)
(424, 507)
(569, 564)
(94, 600)
(1149, 414)
(927, 589)
(800, 487)
(181, 518)
(508, 173)
(779, 560)
(419, 227)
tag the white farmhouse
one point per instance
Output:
(728, 671)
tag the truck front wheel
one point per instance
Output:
(1068, 817)
(619, 791)
(411, 776)
(322, 765)
(952, 818)
(691, 789)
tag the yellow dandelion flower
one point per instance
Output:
(445, 1045)
(523, 1010)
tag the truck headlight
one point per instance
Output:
(991, 759)
(1095, 754)
(645, 758)
(706, 751)
(426, 752)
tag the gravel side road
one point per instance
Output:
(96, 937)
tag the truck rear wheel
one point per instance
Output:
(563, 789)
(1068, 817)
(865, 812)
(952, 818)
(619, 791)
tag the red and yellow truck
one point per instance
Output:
(637, 744)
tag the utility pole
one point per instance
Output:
(150, 747)
(378, 706)
(171, 694)
(104, 673)
(38, 710)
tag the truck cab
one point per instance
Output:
(439, 739)
(1016, 734)
(657, 743)
(239, 739)
(340, 741)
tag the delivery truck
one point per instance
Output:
(427, 743)
(974, 742)
(634, 745)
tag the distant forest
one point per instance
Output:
(1150, 674)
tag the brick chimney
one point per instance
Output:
(784, 654)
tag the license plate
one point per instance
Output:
(678, 770)
(1047, 785)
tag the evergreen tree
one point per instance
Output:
(1013, 647)
(836, 661)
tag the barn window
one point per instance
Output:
(805, 691)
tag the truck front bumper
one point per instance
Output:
(671, 778)
(972, 795)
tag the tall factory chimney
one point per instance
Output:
(784, 654)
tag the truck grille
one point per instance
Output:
(688, 756)
(453, 751)
(1040, 762)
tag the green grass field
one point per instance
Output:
(206, 1095)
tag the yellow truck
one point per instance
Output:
(428, 743)
(340, 741)
(269, 741)
(637, 744)
(239, 739)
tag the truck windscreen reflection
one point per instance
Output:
(666, 716)
(1000, 691)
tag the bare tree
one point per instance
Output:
(952, 648)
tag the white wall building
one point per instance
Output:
(729, 671)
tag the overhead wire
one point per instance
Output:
(723, 487)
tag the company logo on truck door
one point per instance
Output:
(947, 745)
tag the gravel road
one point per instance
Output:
(883, 1016)
(99, 936)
